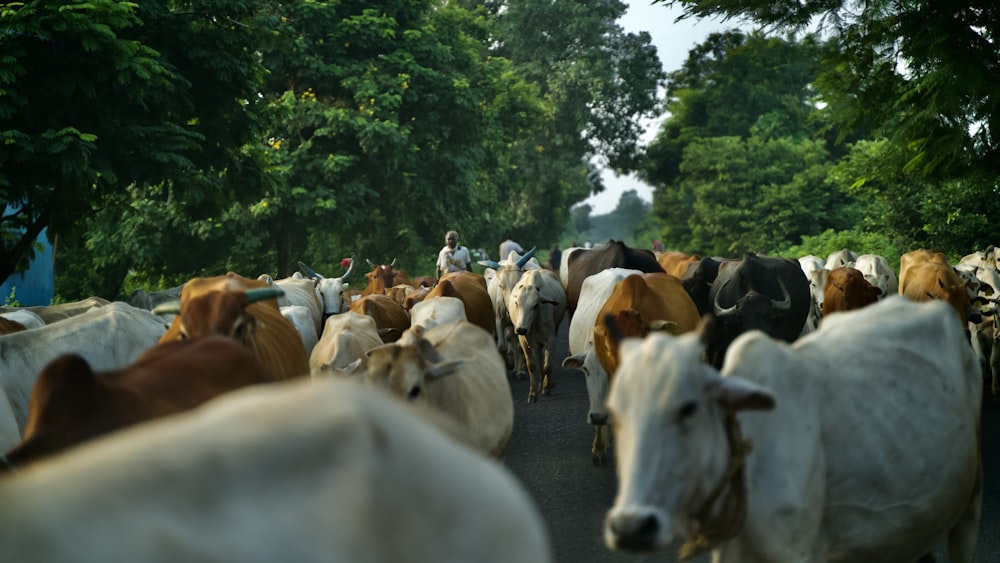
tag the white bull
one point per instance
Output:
(331, 290)
(841, 468)
(500, 280)
(876, 270)
(814, 270)
(108, 337)
(537, 306)
(303, 319)
(305, 471)
(454, 369)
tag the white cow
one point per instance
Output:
(841, 259)
(303, 292)
(537, 305)
(108, 337)
(500, 279)
(564, 265)
(302, 471)
(437, 311)
(455, 369)
(304, 321)
(331, 290)
(813, 267)
(872, 459)
(594, 292)
(346, 338)
(876, 270)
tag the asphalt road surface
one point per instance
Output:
(550, 453)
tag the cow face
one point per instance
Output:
(408, 367)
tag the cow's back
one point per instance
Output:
(471, 289)
(877, 493)
(613, 254)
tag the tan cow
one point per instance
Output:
(390, 317)
(455, 369)
(926, 274)
(470, 287)
(846, 290)
(346, 338)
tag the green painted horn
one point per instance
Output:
(260, 293)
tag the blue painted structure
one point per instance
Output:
(37, 284)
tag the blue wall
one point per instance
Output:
(36, 285)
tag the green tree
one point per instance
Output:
(98, 96)
(598, 83)
(923, 74)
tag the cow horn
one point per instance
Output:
(168, 308)
(369, 262)
(786, 303)
(309, 271)
(719, 311)
(260, 293)
(393, 263)
(489, 264)
(527, 256)
(350, 270)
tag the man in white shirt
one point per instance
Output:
(507, 245)
(453, 258)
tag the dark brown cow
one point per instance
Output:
(470, 288)
(585, 262)
(71, 404)
(847, 289)
(390, 317)
(220, 305)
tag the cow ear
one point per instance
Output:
(734, 394)
(444, 368)
(573, 362)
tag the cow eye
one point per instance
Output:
(414, 392)
(687, 410)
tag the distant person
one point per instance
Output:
(657, 245)
(453, 258)
(555, 257)
(508, 245)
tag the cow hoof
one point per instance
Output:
(547, 391)
(532, 398)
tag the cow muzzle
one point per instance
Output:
(522, 331)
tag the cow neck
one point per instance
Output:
(718, 527)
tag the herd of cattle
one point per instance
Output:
(103, 409)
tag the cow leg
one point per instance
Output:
(517, 359)
(547, 384)
(994, 366)
(531, 368)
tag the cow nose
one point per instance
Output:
(598, 419)
(633, 532)
(522, 331)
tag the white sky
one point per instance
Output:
(672, 41)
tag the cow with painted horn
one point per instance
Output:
(500, 280)
(243, 309)
(331, 289)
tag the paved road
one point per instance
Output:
(550, 453)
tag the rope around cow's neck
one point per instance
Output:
(717, 528)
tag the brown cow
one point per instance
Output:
(676, 263)
(470, 287)
(926, 274)
(220, 305)
(846, 290)
(71, 404)
(384, 276)
(390, 317)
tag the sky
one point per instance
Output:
(672, 41)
